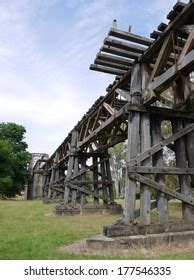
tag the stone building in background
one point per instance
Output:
(33, 190)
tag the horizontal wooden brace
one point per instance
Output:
(161, 188)
(83, 182)
(160, 170)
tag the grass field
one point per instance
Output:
(29, 231)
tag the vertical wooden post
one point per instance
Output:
(181, 162)
(76, 169)
(180, 89)
(49, 193)
(104, 185)
(110, 185)
(95, 178)
(83, 178)
(145, 197)
(132, 144)
(189, 96)
(162, 201)
(73, 147)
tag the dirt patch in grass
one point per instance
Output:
(154, 252)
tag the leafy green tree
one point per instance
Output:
(14, 159)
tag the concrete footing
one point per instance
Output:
(69, 209)
(102, 242)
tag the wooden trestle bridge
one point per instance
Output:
(133, 109)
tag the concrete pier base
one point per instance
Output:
(68, 209)
(102, 242)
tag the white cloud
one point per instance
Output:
(45, 83)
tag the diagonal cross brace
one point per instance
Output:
(137, 160)
(161, 188)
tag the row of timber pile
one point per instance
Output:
(144, 69)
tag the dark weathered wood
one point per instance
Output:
(111, 64)
(160, 170)
(108, 70)
(130, 37)
(162, 144)
(145, 196)
(124, 46)
(71, 164)
(95, 178)
(184, 180)
(113, 59)
(173, 26)
(162, 188)
(120, 52)
(104, 186)
(76, 169)
(119, 230)
(166, 79)
(132, 145)
(83, 178)
(109, 178)
(162, 57)
(162, 201)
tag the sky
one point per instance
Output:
(46, 47)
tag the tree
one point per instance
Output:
(14, 159)
(118, 166)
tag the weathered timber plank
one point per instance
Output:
(107, 70)
(132, 151)
(119, 52)
(71, 164)
(189, 45)
(162, 188)
(74, 192)
(173, 26)
(162, 144)
(118, 230)
(83, 180)
(111, 64)
(162, 57)
(130, 37)
(124, 46)
(165, 80)
(132, 144)
(113, 59)
(111, 110)
(145, 197)
(104, 184)
(109, 178)
(181, 162)
(95, 178)
(160, 170)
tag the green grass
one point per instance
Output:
(27, 232)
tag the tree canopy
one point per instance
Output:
(14, 159)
